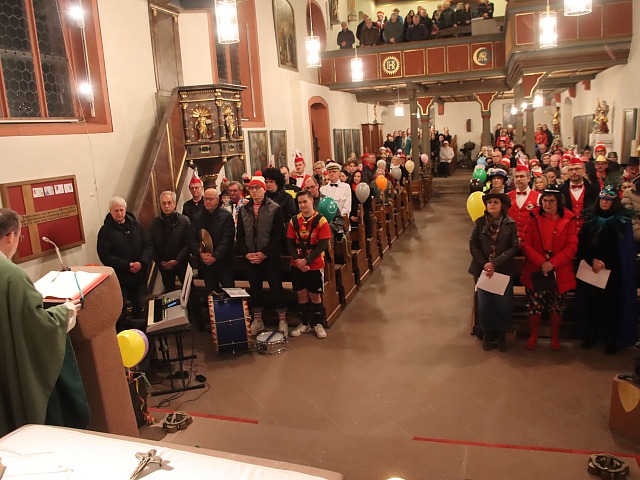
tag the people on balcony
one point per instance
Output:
(393, 30)
(417, 31)
(346, 39)
(485, 9)
(370, 35)
(408, 21)
(463, 14)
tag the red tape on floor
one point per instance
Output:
(206, 415)
(523, 447)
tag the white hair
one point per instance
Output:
(168, 192)
(117, 201)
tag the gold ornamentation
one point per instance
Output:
(224, 160)
(391, 65)
(219, 103)
(202, 122)
(229, 122)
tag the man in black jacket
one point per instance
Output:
(259, 236)
(346, 38)
(195, 205)
(216, 265)
(124, 246)
(172, 240)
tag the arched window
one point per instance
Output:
(50, 68)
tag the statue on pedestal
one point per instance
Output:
(601, 119)
(556, 122)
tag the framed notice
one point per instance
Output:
(48, 207)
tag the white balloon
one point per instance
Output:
(396, 172)
(410, 166)
(362, 192)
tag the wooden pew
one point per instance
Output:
(374, 250)
(427, 186)
(381, 231)
(387, 217)
(331, 298)
(345, 275)
(397, 217)
(409, 201)
(403, 208)
(359, 250)
(418, 194)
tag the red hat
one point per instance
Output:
(599, 146)
(505, 161)
(380, 12)
(534, 161)
(257, 179)
(225, 179)
(364, 156)
(575, 161)
(566, 156)
(195, 179)
(297, 156)
(522, 168)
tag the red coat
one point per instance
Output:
(522, 215)
(564, 247)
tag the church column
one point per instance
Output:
(413, 109)
(517, 102)
(485, 99)
(531, 130)
(424, 104)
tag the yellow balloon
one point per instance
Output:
(409, 166)
(475, 206)
(132, 348)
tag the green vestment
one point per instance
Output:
(33, 348)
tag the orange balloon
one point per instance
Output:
(381, 182)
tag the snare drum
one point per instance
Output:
(271, 342)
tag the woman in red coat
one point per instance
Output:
(549, 245)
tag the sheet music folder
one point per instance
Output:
(59, 286)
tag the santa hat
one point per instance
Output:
(380, 12)
(505, 161)
(257, 179)
(566, 156)
(522, 168)
(364, 156)
(533, 162)
(297, 156)
(599, 146)
(575, 161)
(195, 179)
(536, 171)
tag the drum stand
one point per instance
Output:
(180, 373)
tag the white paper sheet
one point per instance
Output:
(496, 284)
(586, 274)
(63, 284)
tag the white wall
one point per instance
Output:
(104, 164)
(194, 49)
(615, 86)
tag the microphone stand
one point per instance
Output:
(64, 267)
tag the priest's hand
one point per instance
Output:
(73, 307)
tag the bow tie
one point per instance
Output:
(521, 193)
(577, 186)
(300, 176)
(333, 184)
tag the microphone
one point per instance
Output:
(64, 267)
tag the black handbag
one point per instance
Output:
(544, 282)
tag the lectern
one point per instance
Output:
(99, 360)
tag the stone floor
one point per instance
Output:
(400, 388)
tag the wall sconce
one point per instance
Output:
(538, 100)
(227, 22)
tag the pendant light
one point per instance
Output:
(573, 8)
(538, 100)
(227, 22)
(312, 45)
(548, 21)
(357, 69)
(399, 108)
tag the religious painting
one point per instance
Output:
(285, 34)
(355, 138)
(338, 145)
(279, 147)
(334, 17)
(348, 144)
(507, 117)
(235, 168)
(629, 119)
(258, 150)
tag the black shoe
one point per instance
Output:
(487, 344)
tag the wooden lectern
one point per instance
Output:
(99, 360)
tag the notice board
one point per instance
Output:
(48, 207)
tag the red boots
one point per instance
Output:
(534, 324)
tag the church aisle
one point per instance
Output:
(399, 364)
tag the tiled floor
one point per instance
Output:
(399, 364)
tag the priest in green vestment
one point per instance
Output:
(39, 378)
